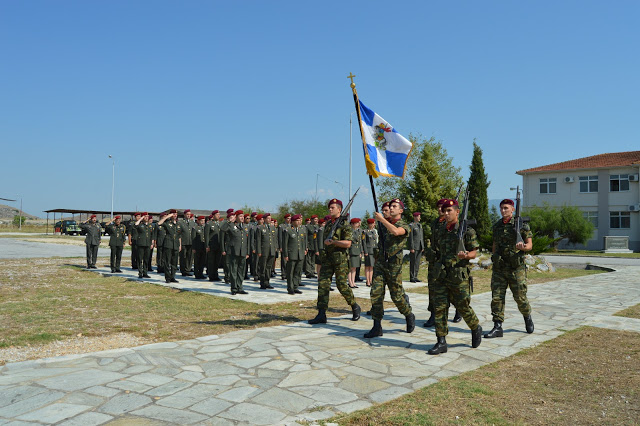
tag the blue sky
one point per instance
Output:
(211, 104)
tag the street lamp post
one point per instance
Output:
(350, 149)
(113, 181)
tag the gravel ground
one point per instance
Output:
(76, 345)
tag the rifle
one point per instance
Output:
(343, 216)
(464, 223)
(459, 190)
(519, 220)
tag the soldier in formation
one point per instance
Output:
(294, 250)
(133, 240)
(416, 247)
(117, 237)
(355, 251)
(214, 251)
(235, 239)
(369, 245)
(144, 242)
(199, 248)
(171, 245)
(509, 269)
(266, 246)
(94, 235)
(186, 224)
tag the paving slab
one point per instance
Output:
(295, 372)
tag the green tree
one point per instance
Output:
(430, 175)
(557, 224)
(304, 207)
(17, 220)
(478, 200)
(494, 214)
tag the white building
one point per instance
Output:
(605, 187)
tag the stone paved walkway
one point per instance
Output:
(288, 373)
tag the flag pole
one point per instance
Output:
(357, 104)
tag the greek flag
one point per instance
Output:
(385, 151)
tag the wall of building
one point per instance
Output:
(604, 201)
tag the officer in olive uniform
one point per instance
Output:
(281, 230)
(266, 246)
(369, 244)
(92, 240)
(335, 260)
(171, 245)
(214, 252)
(131, 231)
(253, 257)
(451, 273)
(199, 248)
(186, 252)
(312, 230)
(387, 271)
(509, 269)
(294, 250)
(236, 241)
(154, 237)
(160, 234)
(224, 259)
(355, 251)
(117, 235)
(144, 233)
(416, 247)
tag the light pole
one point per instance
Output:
(20, 217)
(350, 149)
(113, 181)
(318, 175)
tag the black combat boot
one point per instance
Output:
(476, 337)
(375, 331)
(411, 322)
(528, 323)
(321, 318)
(457, 317)
(496, 331)
(431, 321)
(440, 347)
(356, 312)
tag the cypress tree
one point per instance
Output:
(478, 199)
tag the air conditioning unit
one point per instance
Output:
(568, 179)
(633, 178)
(634, 208)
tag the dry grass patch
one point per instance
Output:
(630, 312)
(562, 381)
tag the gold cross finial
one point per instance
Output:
(351, 76)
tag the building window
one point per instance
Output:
(618, 183)
(548, 186)
(591, 217)
(619, 220)
(588, 183)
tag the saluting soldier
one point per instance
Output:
(369, 244)
(335, 261)
(294, 250)
(416, 247)
(253, 257)
(160, 234)
(254, 239)
(355, 251)
(266, 246)
(214, 251)
(451, 273)
(247, 226)
(224, 259)
(144, 242)
(387, 271)
(509, 269)
(117, 235)
(186, 252)
(281, 230)
(172, 245)
(154, 237)
(92, 240)
(199, 247)
(131, 231)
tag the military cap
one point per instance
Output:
(230, 210)
(296, 217)
(137, 214)
(231, 213)
(334, 201)
(173, 211)
(238, 212)
(370, 220)
(266, 214)
(397, 200)
(441, 201)
(259, 217)
(201, 217)
(288, 215)
(117, 217)
(308, 219)
(254, 214)
(215, 212)
(327, 217)
(186, 211)
(144, 214)
(355, 220)
(314, 216)
(321, 221)
(385, 204)
(92, 216)
(450, 203)
(150, 216)
(417, 213)
(507, 201)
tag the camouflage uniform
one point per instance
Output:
(431, 254)
(452, 278)
(389, 273)
(509, 269)
(335, 260)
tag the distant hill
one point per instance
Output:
(8, 212)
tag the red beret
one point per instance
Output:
(355, 220)
(238, 212)
(386, 204)
(334, 201)
(187, 211)
(259, 216)
(201, 217)
(314, 216)
(137, 214)
(266, 214)
(173, 211)
(308, 219)
(287, 215)
(150, 216)
(397, 200)
(117, 217)
(254, 214)
(450, 203)
(92, 216)
(321, 221)
(144, 214)
(327, 217)
(230, 210)
(507, 201)
(371, 220)
(296, 217)
(441, 201)
(231, 213)
(215, 212)
(417, 213)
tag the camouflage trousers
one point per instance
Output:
(446, 292)
(388, 274)
(334, 263)
(514, 279)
